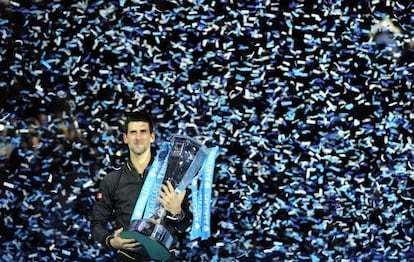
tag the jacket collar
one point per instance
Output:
(131, 167)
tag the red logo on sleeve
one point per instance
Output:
(99, 196)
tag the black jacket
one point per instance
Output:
(115, 201)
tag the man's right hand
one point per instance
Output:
(123, 243)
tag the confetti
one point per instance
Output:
(314, 122)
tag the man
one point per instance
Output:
(119, 191)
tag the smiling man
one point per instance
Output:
(120, 189)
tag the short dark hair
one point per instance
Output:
(139, 116)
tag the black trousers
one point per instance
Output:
(125, 256)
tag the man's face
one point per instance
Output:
(139, 138)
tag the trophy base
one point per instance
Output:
(154, 237)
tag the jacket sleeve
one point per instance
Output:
(102, 212)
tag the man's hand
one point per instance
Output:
(123, 243)
(170, 200)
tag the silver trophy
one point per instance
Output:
(185, 159)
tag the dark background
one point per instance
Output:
(314, 122)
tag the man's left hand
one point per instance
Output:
(170, 200)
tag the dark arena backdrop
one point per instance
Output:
(313, 117)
